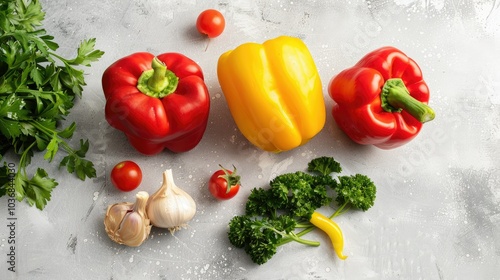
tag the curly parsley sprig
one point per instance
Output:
(282, 212)
(38, 88)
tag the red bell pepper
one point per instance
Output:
(381, 100)
(158, 102)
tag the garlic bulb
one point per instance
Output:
(127, 223)
(170, 207)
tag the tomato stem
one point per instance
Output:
(231, 177)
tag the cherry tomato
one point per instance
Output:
(126, 176)
(211, 23)
(224, 184)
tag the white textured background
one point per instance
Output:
(437, 213)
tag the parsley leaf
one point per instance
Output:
(38, 88)
(37, 189)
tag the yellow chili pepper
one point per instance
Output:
(332, 230)
(274, 92)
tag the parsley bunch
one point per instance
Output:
(37, 91)
(280, 213)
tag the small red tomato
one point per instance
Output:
(211, 23)
(126, 176)
(224, 184)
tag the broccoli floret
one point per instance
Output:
(357, 190)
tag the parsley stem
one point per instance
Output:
(294, 237)
(52, 133)
(22, 160)
(344, 207)
(303, 225)
(62, 59)
(21, 172)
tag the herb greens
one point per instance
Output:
(37, 91)
(281, 213)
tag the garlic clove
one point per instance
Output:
(115, 215)
(127, 223)
(170, 207)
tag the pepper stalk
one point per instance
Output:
(159, 81)
(395, 97)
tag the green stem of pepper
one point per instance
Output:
(396, 98)
(159, 81)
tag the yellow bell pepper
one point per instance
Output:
(274, 92)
